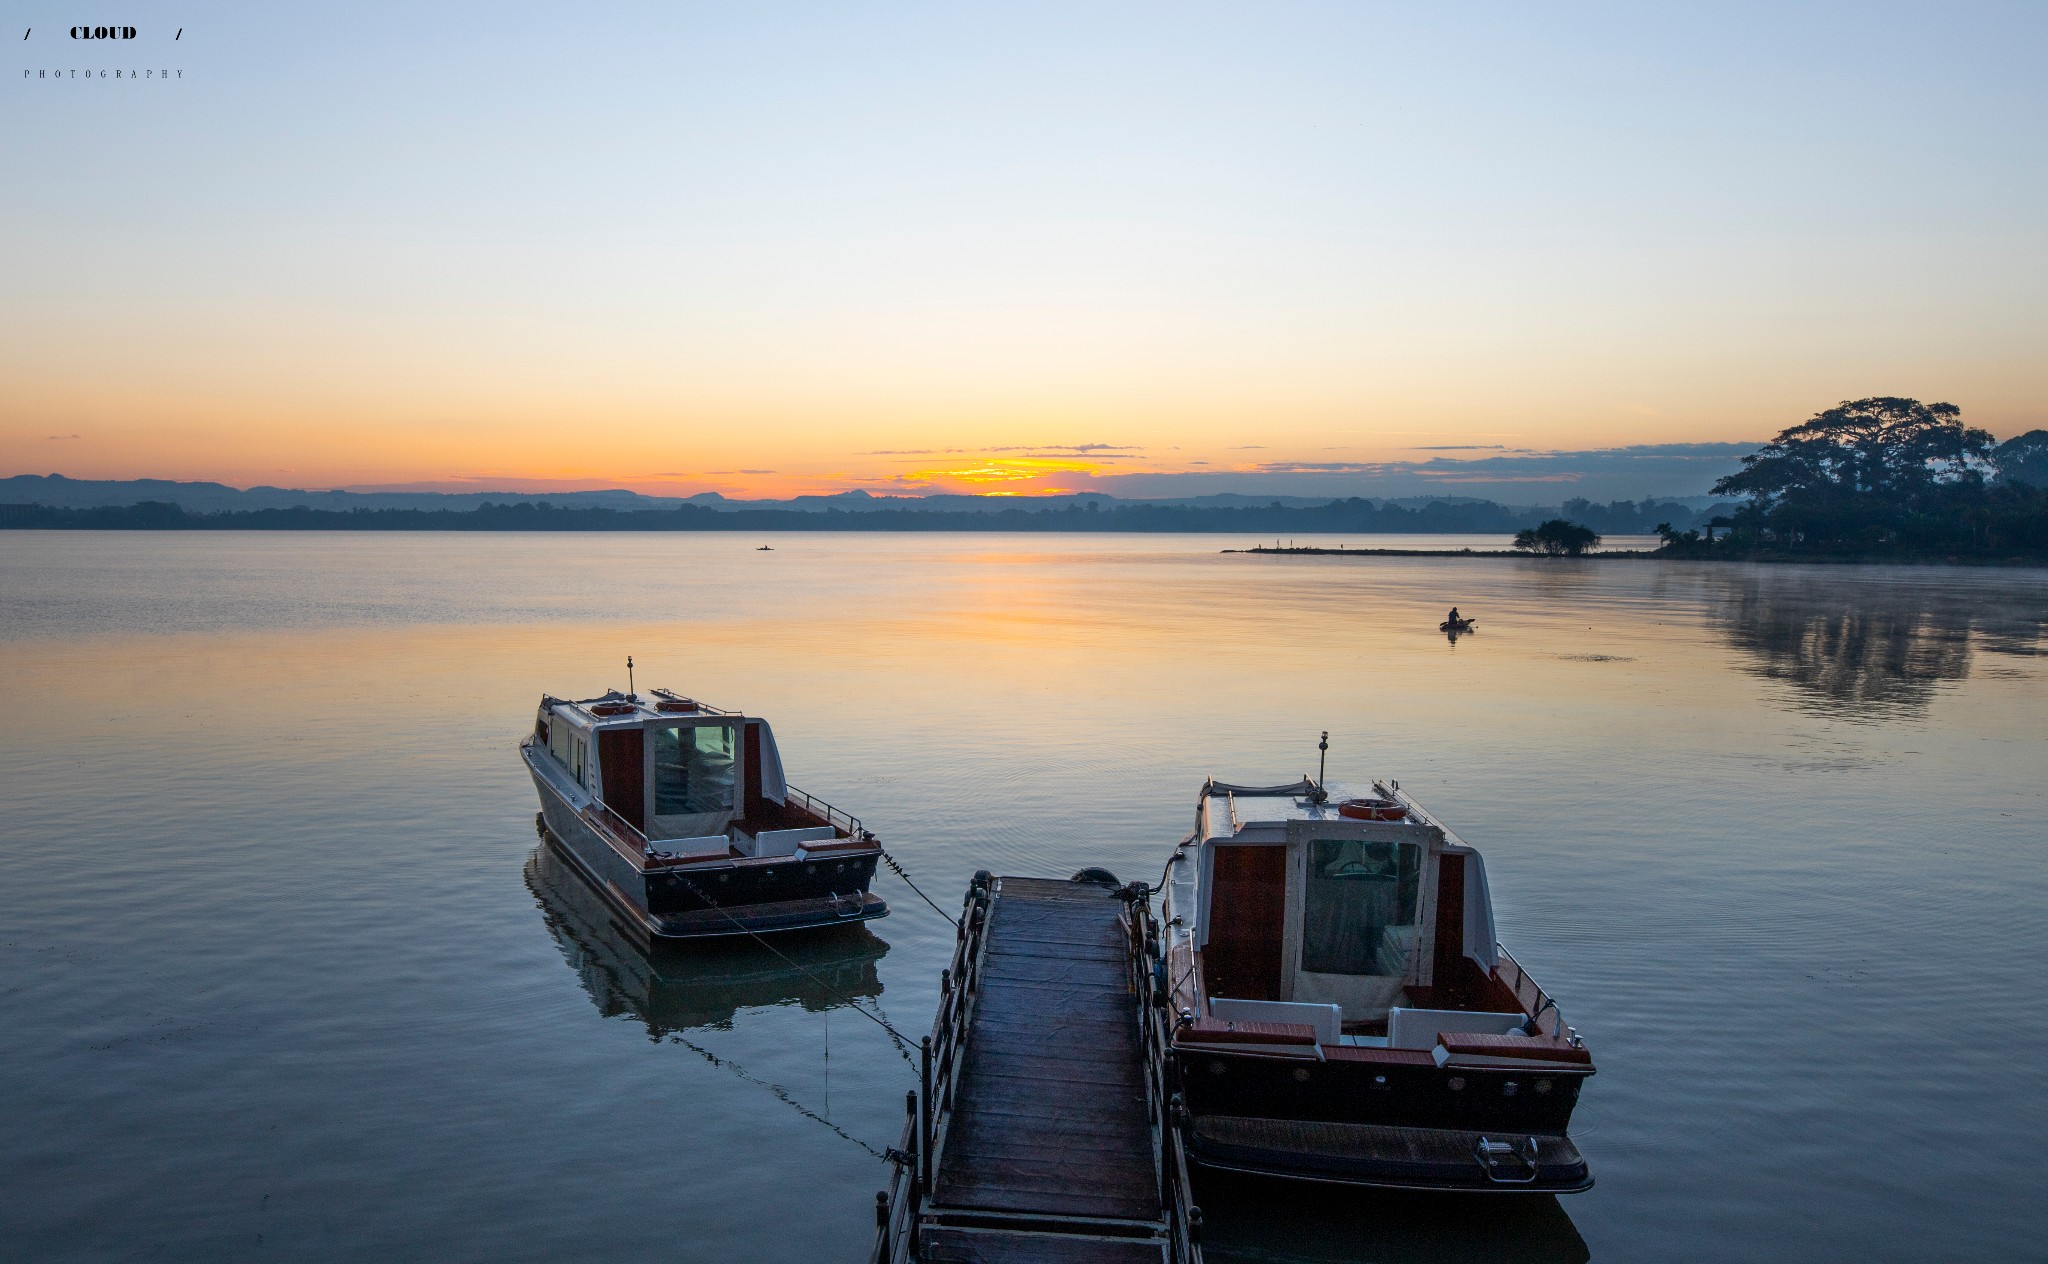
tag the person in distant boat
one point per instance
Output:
(1452, 617)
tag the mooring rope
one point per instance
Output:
(895, 866)
(840, 996)
(788, 1099)
(895, 1039)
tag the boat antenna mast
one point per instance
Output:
(629, 676)
(1322, 768)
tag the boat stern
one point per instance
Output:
(1390, 1157)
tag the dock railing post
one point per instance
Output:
(924, 1122)
(913, 1195)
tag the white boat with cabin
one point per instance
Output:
(679, 813)
(1343, 1011)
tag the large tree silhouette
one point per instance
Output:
(1559, 537)
(2024, 459)
(1866, 472)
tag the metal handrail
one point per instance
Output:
(927, 1110)
(831, 815)
(1169, 1118)
(1539, 1002)
(896, 1207)
(628, 831)
(632, 833)
(944, 1051)
(703, 707)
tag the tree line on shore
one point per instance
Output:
(1884, 477)
(1348, 516)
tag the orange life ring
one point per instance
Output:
(1372, 810)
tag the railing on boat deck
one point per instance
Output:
(629, 833)
(825, 812)
(929, 1110)
(1537, 1002)
(633, 836)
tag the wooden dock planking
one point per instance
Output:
(996, 1246)
(1051, 1116)
(1041, 1132)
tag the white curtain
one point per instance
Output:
(1480, 939)
(773, 787)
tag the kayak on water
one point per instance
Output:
(1460, 625)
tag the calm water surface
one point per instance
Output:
(284, 974)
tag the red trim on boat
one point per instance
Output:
(1474, 1045)
(1217, 1031)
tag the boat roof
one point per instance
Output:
(1234, 809)
(629, 710)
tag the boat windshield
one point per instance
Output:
(694, 768)
(1361, 906)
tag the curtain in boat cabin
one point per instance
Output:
(1357, 890)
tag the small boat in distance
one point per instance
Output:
(678, 813)
(1455, 626)
(1342, 1011)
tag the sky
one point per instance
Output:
(784, 248)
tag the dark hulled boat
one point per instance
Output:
(678, 812)
(1343, 1012)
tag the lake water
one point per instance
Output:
(284, 975)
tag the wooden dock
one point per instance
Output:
(1041, 1131)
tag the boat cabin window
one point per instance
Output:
(695, 770)
(572, 750)
(1361, 906)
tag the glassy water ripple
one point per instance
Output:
(283, 971)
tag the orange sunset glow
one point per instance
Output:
(789, 271)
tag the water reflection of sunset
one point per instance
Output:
(309, 741)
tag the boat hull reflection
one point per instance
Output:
(1274, 1221)
(677, 987)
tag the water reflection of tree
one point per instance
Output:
(1871, 647)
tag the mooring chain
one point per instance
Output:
(897, 868)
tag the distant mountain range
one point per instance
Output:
(56, 503)
(58, 492)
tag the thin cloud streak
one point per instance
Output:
(1631, 472)
(1060, 449)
